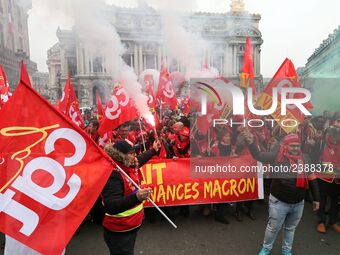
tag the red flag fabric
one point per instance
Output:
(149, 83)
(285, 76)
(186, 105)
(5, 91)
(166, 91)
(120, 108)
(247, 73)
(100, 109)
(24, 75)
(69, 105)
(51, 173)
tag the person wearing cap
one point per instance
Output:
(123, 203)
(287, 191)
(181, 144)
(329, 184)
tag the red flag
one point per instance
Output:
(166, 91)
(284, 77)
(24, 75)
(247, 73)
(69, 106)
(120, 108)
(149, 84)
(51, 173)
(186, 105)
(5, 91)
(100, 109)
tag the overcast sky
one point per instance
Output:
(290, 28)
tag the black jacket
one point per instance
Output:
(283, 185)
(113, 192)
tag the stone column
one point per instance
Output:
(159, 58)
(140, 57)
(135, 63)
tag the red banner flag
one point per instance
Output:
(284, 77)
(120, 108)
(186, 105)
(247, 73)
(69, 106)
(166, 92)
(24, 75)
(5, 91)
(188, 187)
(100, 109)
(149, 84)
(51, 173)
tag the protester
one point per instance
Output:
(122, 201)
(287, 193)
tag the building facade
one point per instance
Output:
(14, 44)
(325, 60)
(40, 82)
(140, 31)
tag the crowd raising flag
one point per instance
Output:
(166, 92)
(284, 77)
(120, 108)
(51, 174)
(69, 105)
(247, 73)
(5, 91)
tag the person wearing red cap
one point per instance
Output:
(181, 144)
(287, 191)
(122, 201)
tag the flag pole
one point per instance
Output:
(141, 131)
(150, 200)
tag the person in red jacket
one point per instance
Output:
(122, 201)
(329, 184)
(181, 143)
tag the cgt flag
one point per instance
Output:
(285, 76)
(120, 108)
(51, 173)
(69, 105)
(166, 92)
(5, 91)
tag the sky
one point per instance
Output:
(290, 28)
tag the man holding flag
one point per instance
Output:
(121, 199)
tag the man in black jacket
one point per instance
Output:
(121, 199)
(287, 190)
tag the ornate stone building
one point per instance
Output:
(325, 60)
(40, 82)
(14, 44)
(140, 31)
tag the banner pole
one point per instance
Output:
(141, 131)
(150, 200)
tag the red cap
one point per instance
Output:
(185, 131)
(291, 138)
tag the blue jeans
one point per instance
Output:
(282, 214)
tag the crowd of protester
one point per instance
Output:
(316, 140)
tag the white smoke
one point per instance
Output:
(100, 37)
